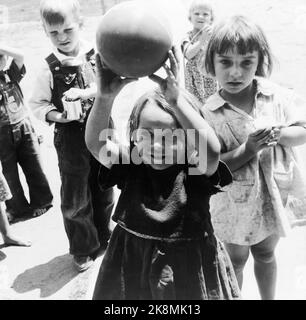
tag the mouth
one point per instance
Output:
(64, 44)
(234, 83)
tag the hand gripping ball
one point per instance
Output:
(134, 39)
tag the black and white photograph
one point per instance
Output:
(153, 150)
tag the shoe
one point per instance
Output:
(82, 263)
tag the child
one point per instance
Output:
(8, 237)
(19, 142)
(201, 16)
(63, 94)
(257, 123)
(163, 246)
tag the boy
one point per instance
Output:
(8, 237)
(64, 94)
(19, 142)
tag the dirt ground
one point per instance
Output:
(45, 270)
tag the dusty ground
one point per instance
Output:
(45, 270)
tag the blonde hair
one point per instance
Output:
(201, 3)
(55, 11)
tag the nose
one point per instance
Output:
(61, 37)
(235, 71)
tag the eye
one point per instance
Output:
(247, 63)
(53, 33)
(225, 62)
(69, 30)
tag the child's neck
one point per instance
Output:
(243, 100)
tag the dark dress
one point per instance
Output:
(163, 246)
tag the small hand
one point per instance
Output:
(170, 85)
(205, 34)
(73, 94)
(260, 139)
(109, 83)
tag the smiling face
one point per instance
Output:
(200, 16)
(235, 72)
(66, 36)
(154, 124)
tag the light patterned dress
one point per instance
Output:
(5, 193)
(268, 193)
(200, 85)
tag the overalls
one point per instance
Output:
(86, 208)
(19, 145)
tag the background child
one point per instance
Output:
(66, 81)
(19, 142)
(257, 123)
(163, 246)
(8, 237)
(201, 16)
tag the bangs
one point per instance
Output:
(239, 37)
(55, 12)
(53, 17)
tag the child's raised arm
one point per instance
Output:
(16, 54)
(108, 87)
(206, 140)
(191, 50)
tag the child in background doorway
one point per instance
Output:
(201, 16)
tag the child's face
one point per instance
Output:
(200, 16)
(155, 124)
(3, 61)
(235, 72)
(65, 37)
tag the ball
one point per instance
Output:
(134, 39)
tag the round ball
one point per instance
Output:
(133, 39)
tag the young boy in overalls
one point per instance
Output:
(19, 142)
(64, 93)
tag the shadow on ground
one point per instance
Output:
(49, 277)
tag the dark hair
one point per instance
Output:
(238, 32)
(55, 11)
(156, 96)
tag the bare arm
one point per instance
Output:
(16, 54)
(189, 118)
(108, 87)
(191, 50)
(257, 141)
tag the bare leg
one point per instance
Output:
(239, 256)
(265, 267)
(6, 232)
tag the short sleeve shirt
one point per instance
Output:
(254, 205)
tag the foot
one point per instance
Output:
(12, 240)
(82, 263)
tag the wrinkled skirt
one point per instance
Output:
(135, 268)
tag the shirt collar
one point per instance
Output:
(263, 86)
(85, 47)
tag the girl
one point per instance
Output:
(257, 124)
(193, 47)
(163, 246)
